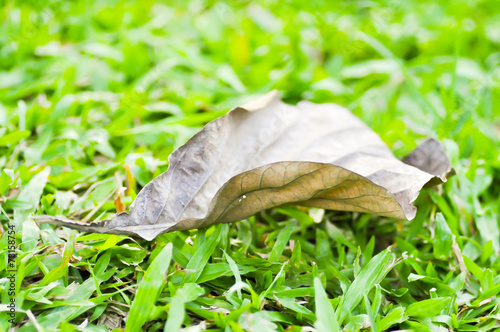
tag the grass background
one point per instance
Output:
(94, 96)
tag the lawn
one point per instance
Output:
(95, 95)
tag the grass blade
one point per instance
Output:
(281, 241)
(176, 314)
(371, 274)
(202, 255)
(427, 308)
(149, 289)
(326, 320)
(235, 270)
(443, 239)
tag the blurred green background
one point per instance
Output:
(136, 74)
(96, 94)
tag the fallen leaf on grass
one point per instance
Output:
(267, 154)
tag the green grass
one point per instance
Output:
(94, 96)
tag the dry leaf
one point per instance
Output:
(267, 154)
(431, 158)
(120, 207)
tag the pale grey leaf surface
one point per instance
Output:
(430, 157)
(267, 154)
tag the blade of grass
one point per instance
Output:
(397, 315)
(202, 255)
(427, 308)
(281, 241)
(264, 294)
(149, 289)
(234, 269)
(62, 270)
(176, 314)
(443, 239)
(371, 274)
(326, 320)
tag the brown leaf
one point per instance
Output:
(267, 154)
